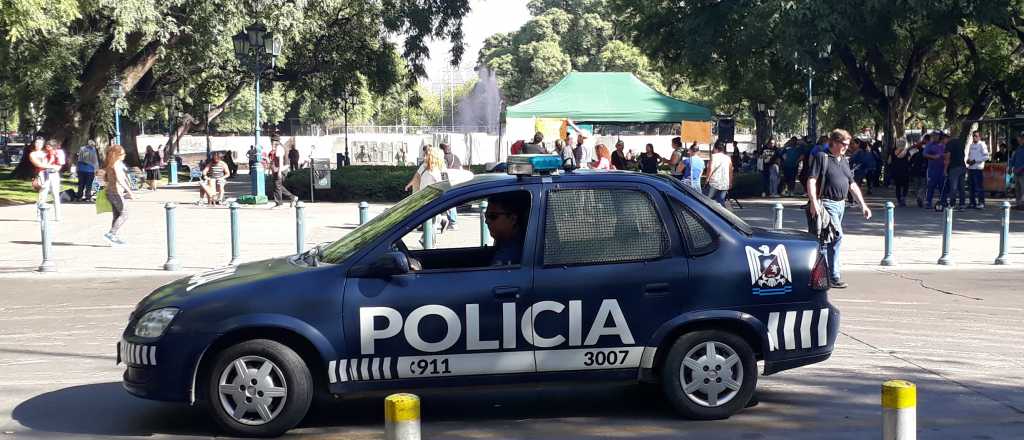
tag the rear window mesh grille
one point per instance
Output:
(593, 226)
(697, 235)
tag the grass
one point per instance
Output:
(20, 192)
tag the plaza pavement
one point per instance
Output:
(203, 234)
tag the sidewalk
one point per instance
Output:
(204, 239)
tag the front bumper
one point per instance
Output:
(160, 370)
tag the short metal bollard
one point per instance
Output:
(428, 234)
(300, 226)
(899, 410)
(172, 258)
(888, 259)
(947, 235)
(44, 229)
(778, 216)
(233, 207)
(402, 417)
(364, 213)
(485, 234)
(1004, 237)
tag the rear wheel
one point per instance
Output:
(259, 388)
(709, 374)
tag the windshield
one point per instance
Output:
(737, 222)
(344, 247)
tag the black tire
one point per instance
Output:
(695, 343)
(288, 371)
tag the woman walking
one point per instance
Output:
(216, 173)
(151, 163)
(117, 190)
(432, 170)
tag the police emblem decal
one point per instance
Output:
(769, 270)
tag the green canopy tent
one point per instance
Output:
(607, 97)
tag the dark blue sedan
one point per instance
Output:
(588, 276)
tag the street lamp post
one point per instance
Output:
(812, 101)
(209, 107)
(5, 114)
(771, 123)
(348, 100)
(760, 120)
(890, 131)
(257, 50)
(170, 103)
(116, 93)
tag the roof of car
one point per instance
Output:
(499, 179)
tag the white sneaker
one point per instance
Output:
(118, 241)
(109, 238)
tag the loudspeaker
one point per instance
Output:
(726, 129)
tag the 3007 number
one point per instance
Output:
(602, 358)
(430, 367)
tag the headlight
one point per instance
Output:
(153, 324)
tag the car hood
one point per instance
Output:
(214, 281)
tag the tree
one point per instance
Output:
(183, 47)
(562, 36)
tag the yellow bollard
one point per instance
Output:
(402, 417)
(899, 410)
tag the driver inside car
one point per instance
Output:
(506, 218)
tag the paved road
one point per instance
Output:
(956, 334)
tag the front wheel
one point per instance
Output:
(259, 388)
(709, 374)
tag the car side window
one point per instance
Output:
(699, 238)
(597, 226)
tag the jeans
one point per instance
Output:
(954, 182)
(976, 178)
(51, 185)
(766, 182)
(835, 210)
(774, 187)
(935, 180)
(902, 187)
(718, 195)
(694, 183)
(85, 179)
(453, 216)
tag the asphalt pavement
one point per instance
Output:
(955, 334)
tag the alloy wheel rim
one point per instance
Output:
(252, 390)
(711, 374)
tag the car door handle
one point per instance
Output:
(505, 292)
(656, 289)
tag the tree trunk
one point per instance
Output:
(24, 170)
(129, 130)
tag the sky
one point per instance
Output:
(486, 18)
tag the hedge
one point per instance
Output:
(381, 183)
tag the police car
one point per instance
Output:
(591, 276)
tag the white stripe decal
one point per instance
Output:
(331, 372)
(131, 353)
(343, 370)
(823, 328)
(788, 339)
(352, 372)
(386, 366)
(152, 355)
(805, 329)
(773, 331)
(138, 354)
(364, 373)
(647, 359)
(145, 355)
(374, 368)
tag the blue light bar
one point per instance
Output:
(533, 164)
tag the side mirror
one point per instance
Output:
(384, 266)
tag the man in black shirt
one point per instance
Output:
(831, 171)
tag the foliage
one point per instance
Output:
(561, 37)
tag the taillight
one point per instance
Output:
(819, 274)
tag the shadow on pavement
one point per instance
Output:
(59, 243)
(825, 404)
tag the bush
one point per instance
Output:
(369, 183)
(381, 183)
